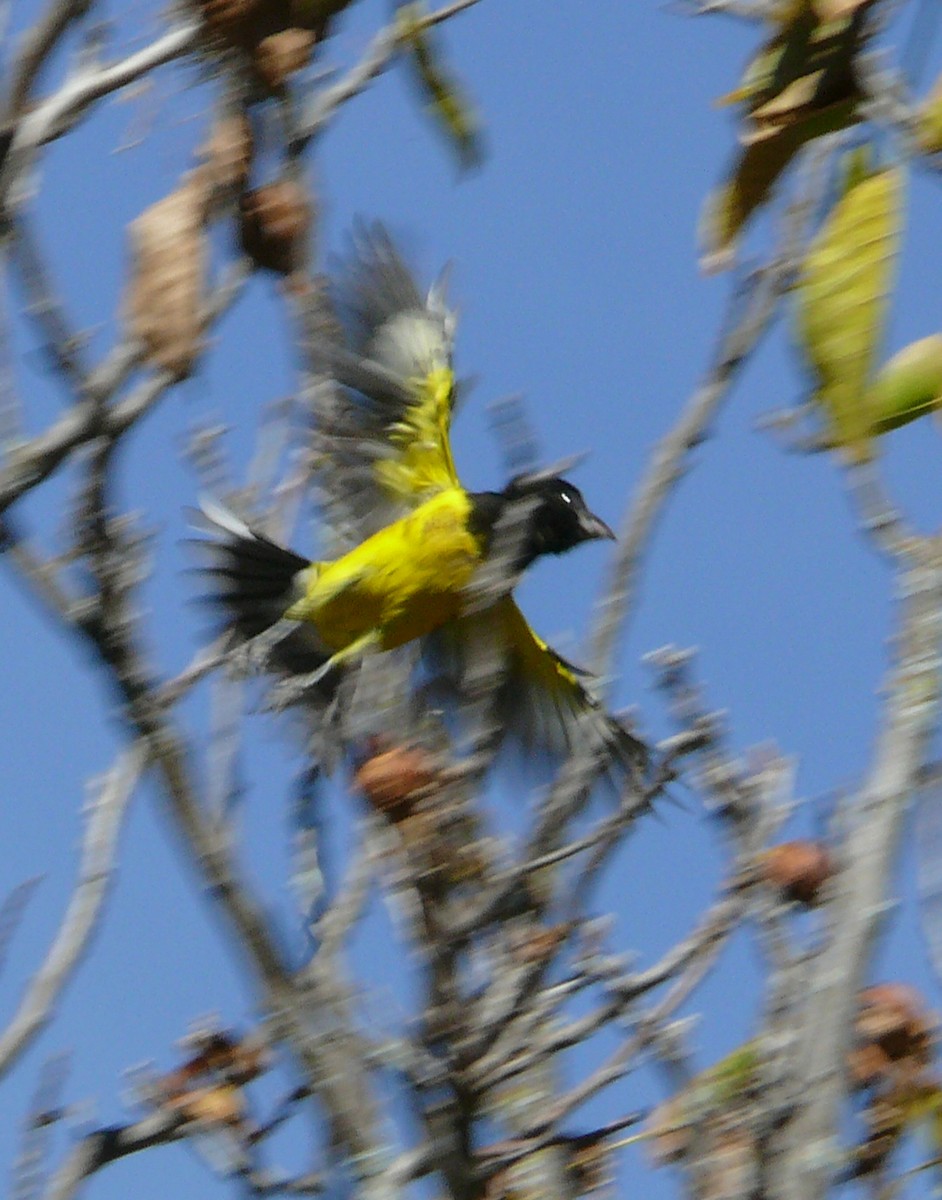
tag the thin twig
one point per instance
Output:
(379, 53)
(748, 319)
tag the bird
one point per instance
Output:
(413, 540)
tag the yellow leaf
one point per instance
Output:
(842, 294)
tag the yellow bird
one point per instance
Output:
(418, 539)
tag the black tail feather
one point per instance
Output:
(254, 580)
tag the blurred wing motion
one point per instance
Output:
(540, 699)
(384, 413)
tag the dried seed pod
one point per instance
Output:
(275, 220)
(885, 1120)
(894, 1017)
(164, 299)
(868, 1065)
(392, 780)
(281, 54)
(227, 155)
(797, 870)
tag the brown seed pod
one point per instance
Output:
(393, 779)
(166, 279)
(885, 1120)
(274, 223)
(281, 54)
(797, 870)
(894, 1017)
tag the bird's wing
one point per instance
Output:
(383, 412)
(542, 699)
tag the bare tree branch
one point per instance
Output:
(40, 43)
(106, 816)
(807, 1158)
(749, 317)
(51, 118)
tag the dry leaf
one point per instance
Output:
(750, 182)
(895, 1016)
(164, 296)
(801, 84)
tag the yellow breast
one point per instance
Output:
(402, 582)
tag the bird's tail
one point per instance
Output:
(254, 580)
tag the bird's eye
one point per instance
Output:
(566, 497)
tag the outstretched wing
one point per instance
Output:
(542, 699)
(383, 412)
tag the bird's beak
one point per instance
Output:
(594, 527)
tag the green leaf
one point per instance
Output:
(908, 387)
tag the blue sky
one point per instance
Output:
(575, 272)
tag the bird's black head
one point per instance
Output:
(559, 518)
